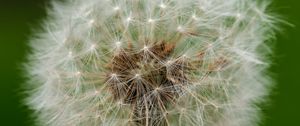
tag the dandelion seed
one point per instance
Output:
(120, 103)
(157, 89)
(116, 8)
(78, 73)
(91, 22)
(113, 75)
(169, 62)
(70, 53)
(137, 76)
(162, 5)
(118, 44)
(239, 16)
(194, 17)
(145, 48)
(180, 29)
(93, 46)
(150, 20)
(128, 19)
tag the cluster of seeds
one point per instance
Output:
(150, 80)
(150, 63)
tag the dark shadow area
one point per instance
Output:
(17, 19)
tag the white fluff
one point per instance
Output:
(81, 36)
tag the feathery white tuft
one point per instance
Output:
(70, 64)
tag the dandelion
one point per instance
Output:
(177, 63)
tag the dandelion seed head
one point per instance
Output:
(151, 62)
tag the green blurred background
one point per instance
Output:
(19, 17)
